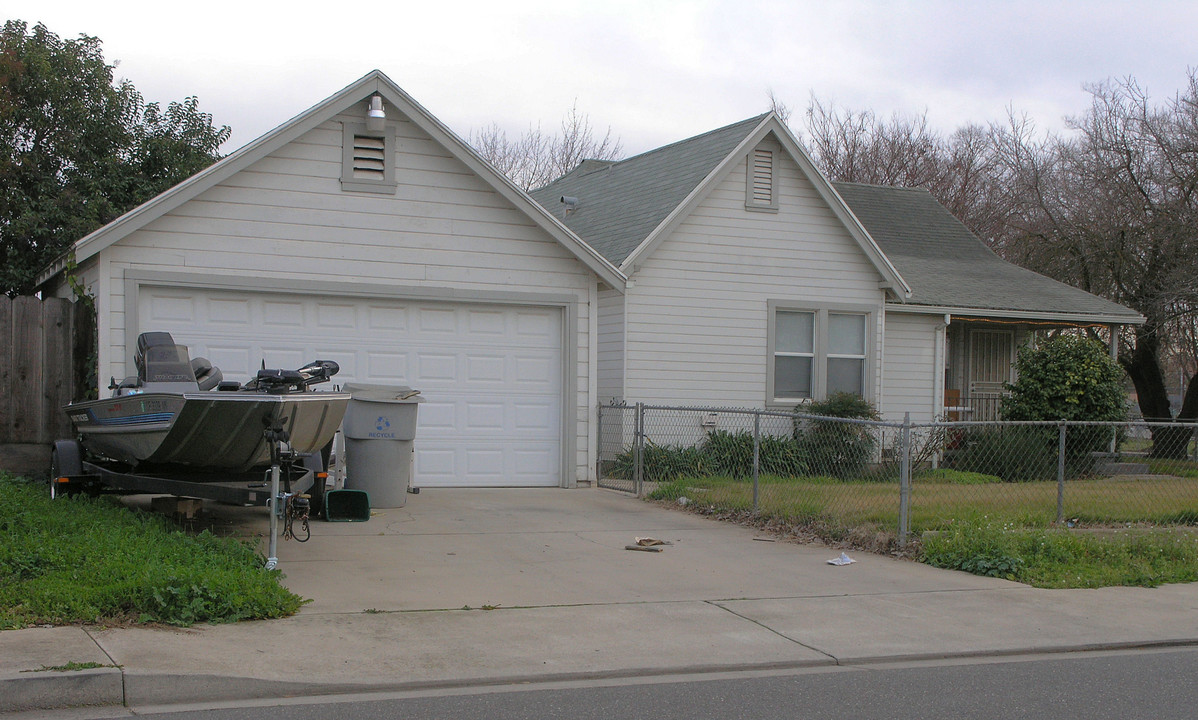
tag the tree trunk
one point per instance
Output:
(1149, 381)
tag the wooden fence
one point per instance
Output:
(45, 346)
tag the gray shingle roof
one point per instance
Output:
(620, 203)
(947, 265)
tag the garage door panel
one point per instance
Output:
(491, 375)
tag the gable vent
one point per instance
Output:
(369, 158)
(763, 178)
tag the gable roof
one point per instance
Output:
(371, 83)
(626, 208)
(951, 269)
(621, 203)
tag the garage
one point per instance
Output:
(389, 247)
(491, 374)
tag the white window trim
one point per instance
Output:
(387, 184)
(819, 383)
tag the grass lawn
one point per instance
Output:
(83, 560)
(961, 507)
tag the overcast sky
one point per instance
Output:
(655, 71)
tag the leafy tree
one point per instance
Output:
(77, 149)
(537, 158)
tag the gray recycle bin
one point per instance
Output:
(379, 426)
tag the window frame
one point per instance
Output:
(349, 183)
(819, 380)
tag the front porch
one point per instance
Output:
(980, 361)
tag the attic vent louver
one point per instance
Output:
(367, 159)
(370, 158)
(760, 191)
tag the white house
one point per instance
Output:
(720, 270)
(753, 281)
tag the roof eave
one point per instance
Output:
(1030, 315)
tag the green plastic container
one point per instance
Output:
(347, 506)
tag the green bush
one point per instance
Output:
(819, 447)
(837, 449)
(1068, 377)
(1014, 453)
(724, 453)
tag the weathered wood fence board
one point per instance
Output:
(37, 377)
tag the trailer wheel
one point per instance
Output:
(66, 463)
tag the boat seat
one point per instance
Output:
(128, 386)
(207, 376)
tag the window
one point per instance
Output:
(760, 192)
(846, 353)
(794, 354)
(815, 352)
(367, 159)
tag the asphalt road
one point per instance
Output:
(1144, 684)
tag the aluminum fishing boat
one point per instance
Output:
(177, 411)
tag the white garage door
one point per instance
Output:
(491, 375)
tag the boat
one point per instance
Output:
(179, 412)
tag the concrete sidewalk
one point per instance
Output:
(468, 587)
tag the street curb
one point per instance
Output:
(45, 690)
(112, 686)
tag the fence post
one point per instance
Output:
(1061, 471)
(599, 446)
(905, 482)
(638, 444)
(756, 454)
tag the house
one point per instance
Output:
(720, 270)
(753, 281)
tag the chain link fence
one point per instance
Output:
(839, 477)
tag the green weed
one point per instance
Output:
(85, 560)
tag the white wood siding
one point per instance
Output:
(909, 368)
(611, 345)
(696, 315)
(286, 219)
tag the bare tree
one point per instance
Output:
(958, 170)
(1113, 208)
(537, 158)
(779, 108)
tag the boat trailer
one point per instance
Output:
(292, 487)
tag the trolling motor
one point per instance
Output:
(279, 382)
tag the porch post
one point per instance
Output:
(1113, 344)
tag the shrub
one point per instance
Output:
(1068, 377)
(1015, 454)
(729, 454)
(831, 447)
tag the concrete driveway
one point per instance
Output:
(450, 548)
(507, 585)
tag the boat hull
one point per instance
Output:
(205, 430)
